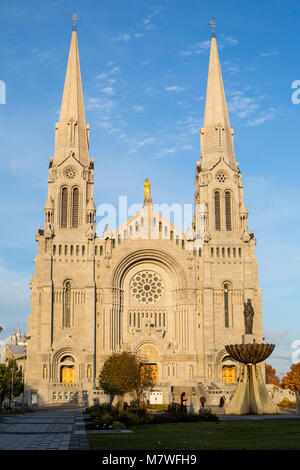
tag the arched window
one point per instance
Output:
(67, 304)
(217, 211)
(64, 208)
(226, 305)
(75, 208)
(228, 210)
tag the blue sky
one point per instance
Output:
(144, 68)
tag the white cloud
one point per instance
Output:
(260, 120)
(175, 88)
(106, 74)
(202, 46)
(269, 54)
(103, 105)
(233, 68)
(147, 22)
(138, 108)
(165, 151)
(150, 90)
(229, 40)
(242, 105)
(190, 125)
(123, 37)
(108, 90)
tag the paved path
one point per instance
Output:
(284, 414)
(44, 430)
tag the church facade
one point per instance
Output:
(176, 298)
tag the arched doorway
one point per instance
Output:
(228, 370)
(67, 370)
(150, 355)
(228, 374)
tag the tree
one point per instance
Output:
(4, 384)
(292, 378)
(11, 381)
(123, 373)
(143, 380)
(271, 377)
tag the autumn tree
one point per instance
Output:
(271, 377)
(143, 380)
(122, 374)
(292, 378)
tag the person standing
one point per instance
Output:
(183, 401)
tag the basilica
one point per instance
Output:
(176, 298)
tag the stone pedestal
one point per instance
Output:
(249, 339)
(251, 396)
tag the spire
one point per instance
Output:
(216, 137)
(72, 130)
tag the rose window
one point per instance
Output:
(221, 178)
(70, 172)
(147, 287)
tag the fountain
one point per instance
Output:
(251, 396)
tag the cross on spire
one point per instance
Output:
(213, 24)
(75, 18)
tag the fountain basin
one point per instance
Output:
(251, 353)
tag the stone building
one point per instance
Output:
(17, 350)
(177, 298)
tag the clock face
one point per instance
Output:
(70, 172)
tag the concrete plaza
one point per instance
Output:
(60, 429)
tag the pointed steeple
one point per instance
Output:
(216, 137)
(72, 132)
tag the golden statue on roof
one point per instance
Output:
(147, 189)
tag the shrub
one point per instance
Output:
(99, 409)
(117, 425)
(107, 418)
(157, 408)
(206, 415)
(129, 419)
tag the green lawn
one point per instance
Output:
(223, 435)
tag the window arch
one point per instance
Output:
(64, 208)
(217, 211)
(75, 208)
(228, 210)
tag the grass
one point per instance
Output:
(269, 434)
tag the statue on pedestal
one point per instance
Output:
(248, 316)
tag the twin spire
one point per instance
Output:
(72, 132)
